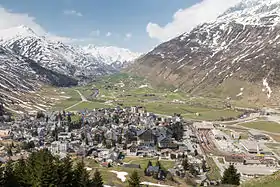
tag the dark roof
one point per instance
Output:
(131, 165)
(153, 169)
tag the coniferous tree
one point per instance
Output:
(192, 170)
(134, 180)
(231, 176)
(204, 168)
(48, 169)
(9, 179)
(185, 164)
(65, 172)
(2, 180)
(158, 164)
(195, 152)
(97, 180)
(81, 176)
(43, 169)
(149, 164)
(20, 172)
(9, 151)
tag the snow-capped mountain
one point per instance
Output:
(53, 55)
(28, 60)
(80, 62)
(114, 56)
(235, 56)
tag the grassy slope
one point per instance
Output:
(264, 125)
(110, 178)
(268, 181)
(214, 173)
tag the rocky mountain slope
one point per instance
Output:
(236, 56)
(20, 77)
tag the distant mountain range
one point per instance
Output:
(28, 60)
(234, 57)
(73, 61)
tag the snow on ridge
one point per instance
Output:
(15, 32)
(253, 12)
(111, 54)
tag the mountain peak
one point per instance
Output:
(19, 31)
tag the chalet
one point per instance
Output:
(146, 138)
(152, 170)
(165, 142)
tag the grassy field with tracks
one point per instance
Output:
(263, 125)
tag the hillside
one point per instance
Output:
(268, 181)
(235, 56)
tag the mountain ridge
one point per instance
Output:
(88, 62)
(225, 58)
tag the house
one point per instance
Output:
(234, 158)
(146, 138)
(165, 142)
(132, 150)
(5, 134)
(252, 162)
(165, 153)
(151, 170)
(156, 172)
(58, 147)
(106, 164)
(64, 136)
(258, 135)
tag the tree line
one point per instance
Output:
(42, 169)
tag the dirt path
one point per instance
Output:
(83, 99)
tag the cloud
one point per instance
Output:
(73, 13)
(95, 33)
(109, 34)
(186, 19)
(10, 19)
(128, 36)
